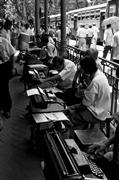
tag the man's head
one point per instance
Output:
(88, 65)
(92, 52)
(58, 63)
(44, 39)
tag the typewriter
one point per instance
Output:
(59, 162)
(65, 161)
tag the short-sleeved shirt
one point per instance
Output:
(97, 96)
(115, 45)
(51, 50)
(67, 74)
(6, 49)
(108, 36)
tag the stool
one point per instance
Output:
(104, 126)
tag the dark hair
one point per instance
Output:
(7, 24)
(45, 38)
(26, 26)
(92, 52)
(108, 25)
(58, 61)
(88, 64)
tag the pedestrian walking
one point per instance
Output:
(95, 35)
(89, 36)
(115, 47)
(81, 38)
(108, 35)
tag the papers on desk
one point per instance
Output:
(53, 90)
(47, 117)
(37, 66)
(35, 91)
(31, 92)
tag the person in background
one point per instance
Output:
(115, 47)
(68, 31)
(15, 35)
(81, 36)
(96, 101)
(106, 157)
(48, 50)
(89, 36)
(5, 28)
(58, 33)
(108, 36)
(6, 67)
(95, 35)
(66, 71)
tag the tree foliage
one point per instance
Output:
(25, 9)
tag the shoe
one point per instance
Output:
(6, 114)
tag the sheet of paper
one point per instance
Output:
(40, 118)
(31, 92)
(56, 116)
(53, 90)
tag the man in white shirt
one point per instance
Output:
(89, 37)
(108, 35)
(81, 38)
(66, 72)
(96, 101)
(115, 47)
(95, 35)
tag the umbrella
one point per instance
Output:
(114, 21)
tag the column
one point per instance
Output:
(37, 18)
(63, 28)
(46, 15)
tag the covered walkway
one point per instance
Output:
(16, 161)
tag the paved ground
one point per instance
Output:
(16, 161)
(100, 49)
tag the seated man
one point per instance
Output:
(109, 161)
(75, 93)
(96, 101)
(48, 50)
(66, 71)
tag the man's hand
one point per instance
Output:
(42, 80)
(97, 150)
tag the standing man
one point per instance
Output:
(95, 35)
(89, 36)
(108, 36)
(81, 36)
(115, 47)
